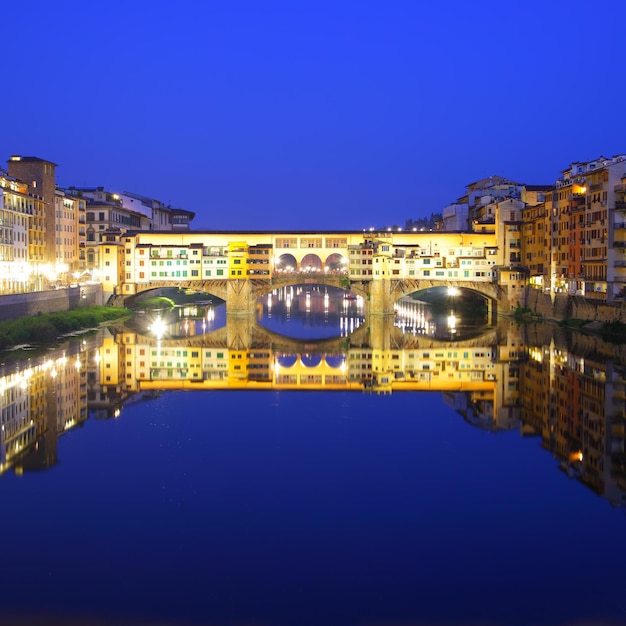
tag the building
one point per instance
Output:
(161, 216)
(104, 211)
(21, 237)
(107, 211)
(586, 256)
(39, 175)
(66, 209)
(456, 215)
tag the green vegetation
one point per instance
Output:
(157, 302)
(168, 298)
(523, 314)
(615, 332)
(48, 327)
(611, 332)
(574, 323)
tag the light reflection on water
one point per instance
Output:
(311, 312)
(359, 507)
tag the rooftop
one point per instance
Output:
(17, 157)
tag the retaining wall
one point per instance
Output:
(573, 307)
(20, 304)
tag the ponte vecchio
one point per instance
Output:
(382, 266)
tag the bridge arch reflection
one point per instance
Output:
(568, 394)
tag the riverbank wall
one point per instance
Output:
(563, 307)
(22, 304)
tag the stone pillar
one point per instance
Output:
(492, 312)
(239, 331)
(381, 331)
(381, 300)
(239, 299)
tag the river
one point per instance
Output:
(311, 466)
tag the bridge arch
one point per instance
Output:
(311, 263)
(336, 262)
(335, 360)
(311, 360)
(287, 360)
(286, 263)
(489, 292)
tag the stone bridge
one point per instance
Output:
(380, 295)
(245, 333)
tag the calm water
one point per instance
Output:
(340, 484)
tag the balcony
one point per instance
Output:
(620, 205)
(620, 188)
(619, 225)
(619, 244)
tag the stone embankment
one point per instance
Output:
(591, 346)
(52, 301)
(573, 307)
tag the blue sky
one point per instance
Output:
(309, 114)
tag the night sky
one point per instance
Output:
(311, 114)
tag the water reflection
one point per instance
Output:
(418, 318)
(311, 312)
(570, 394)
(187, 321)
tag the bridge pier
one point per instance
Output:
(239, 331)
(381, 300)
(240, 300)
(492, 312)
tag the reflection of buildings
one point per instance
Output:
(575, 404)
(38, 404)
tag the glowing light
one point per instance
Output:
(158, 327)
(452, 323)
(453, 291)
